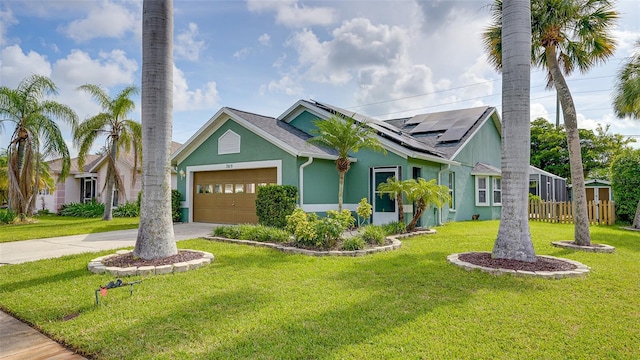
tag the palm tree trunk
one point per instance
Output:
(636, 218)
(111, 173)
(155, 233)
(400, 208)
(421, 205)
(514, 237)
(580, 218)
(340, 190)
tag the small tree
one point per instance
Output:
(364, 211)
(425, 192)
(346, 136)
(395, 189)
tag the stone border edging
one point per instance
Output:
(96, 265)
(599, 248)
(631, 228)
(294, 250)
(395, 244)
(580, 271)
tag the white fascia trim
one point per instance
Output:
(300, 106)
(196, 139)
(405, 153)
(325, 156)
(190, 170)
(496, 122)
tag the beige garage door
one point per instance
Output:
(229, 196)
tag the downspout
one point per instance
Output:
(440, 223)
(301, 179)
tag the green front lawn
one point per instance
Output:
(53, 225)
(406, 304)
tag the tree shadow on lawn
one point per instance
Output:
(50, 279)
(377, 295)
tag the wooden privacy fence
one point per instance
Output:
(599, 212)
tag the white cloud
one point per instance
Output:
(264, 39)
(106, 20)
(290, 14)
(16, 65)
(6, 20)
(111, 68)
(242, 53)
(186, 44)
(285, 85)
(185, 99)
(539, 111)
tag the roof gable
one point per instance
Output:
(279, 133)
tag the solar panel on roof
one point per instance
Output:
(458, 130)
(433, 124)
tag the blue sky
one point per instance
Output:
(380, 58)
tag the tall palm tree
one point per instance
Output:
(626, 99)
(566, 35)
(122, 134)
(36, 131)
(4, 177)
(514, 237)
(395, 189)
(346, 136)
(425, 192)
(155, 232)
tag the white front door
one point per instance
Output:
(384, 208)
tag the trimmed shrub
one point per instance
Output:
(394, 228)
(274, 203)
(252, 232)
(7, 216)
(373, 234)
(328, 232)
(353, 243)
(344, 217)
(127, 210)
(86, 210)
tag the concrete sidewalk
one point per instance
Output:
(31, 250)
(19, 340)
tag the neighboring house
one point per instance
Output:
(221, 165)
(548, 186)
(83, 185)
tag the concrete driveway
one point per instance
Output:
(31, 250)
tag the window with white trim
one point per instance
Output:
(497, 191)
(482, 191)
(452, 190)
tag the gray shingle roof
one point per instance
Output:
(292, 136)
(401, 131)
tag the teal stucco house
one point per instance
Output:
(221, 166)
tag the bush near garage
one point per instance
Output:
(274, 203)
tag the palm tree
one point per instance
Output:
(425, 192)
(626, 100)
(514, 237)
(155, 232)
(346, 136)
(122, 134)
(395, 189)
(35, 132)
(4, 177)
(566, 35)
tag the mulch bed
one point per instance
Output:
(541, 263)
(128, 260)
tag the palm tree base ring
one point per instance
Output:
(569, 244)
